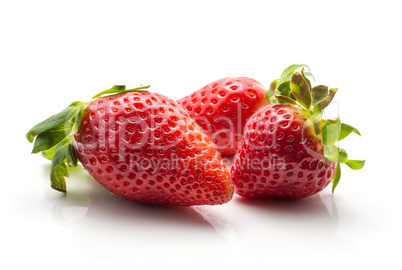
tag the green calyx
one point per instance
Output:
(294, 88)
(54, 136)
(119, 89)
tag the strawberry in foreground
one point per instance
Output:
(139, 145)
(222, 108)
(288, 150)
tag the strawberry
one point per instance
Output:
(222, 108)
(288, 150)
(139, 145)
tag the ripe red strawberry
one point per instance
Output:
(139, 145)
(288, 150)
(222, 108)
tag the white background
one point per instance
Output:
(55, 52)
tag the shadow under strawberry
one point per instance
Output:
(86, 193)
(112, 226)
(315, 211)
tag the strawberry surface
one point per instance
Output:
(280, 156)
(139, 145)
(222, 108)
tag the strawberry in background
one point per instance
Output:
(223, 107)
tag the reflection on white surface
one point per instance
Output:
(100, 220)
(104, 225)
(90, 225)
(281, 228)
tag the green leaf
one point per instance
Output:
(316, 124)
(300, 88)
(78, 117)
(329, 151)
(330, 131)
(271, 91)
(288, 72)
(117, 89)
(50, 138)
(273, 86)
(318, 93)
(71, 158)
(355, 164)
(60, 152)
(346, 130)
(58, 167)
(333, 153)
(309, 74)
(327, 100)
(268, 96)
(337, 177)
(304, 73)
(307, 80)
(52, 122)
(48, 154)
(57, 179)
(286, 99)
(284, 88)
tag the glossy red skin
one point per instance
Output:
(280, 156)
(144, 147)
(222, 108)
